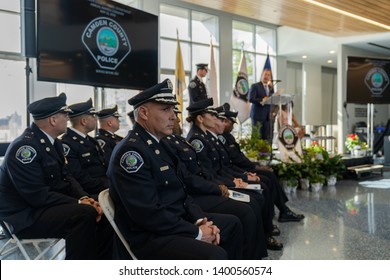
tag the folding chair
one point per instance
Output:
(108, 208)
(13, 243)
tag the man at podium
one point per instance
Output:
(260, 112)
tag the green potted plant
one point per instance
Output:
(255, 148)
(332, 167)
(355, 146)
(289, 174)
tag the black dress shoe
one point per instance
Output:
(273, 244)
(275, 231)
(290, 216)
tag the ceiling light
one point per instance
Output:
(348, 14)
(332, 52)
(330, 61)
(304, 56)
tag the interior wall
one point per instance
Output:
(312, 108)
(329, 95)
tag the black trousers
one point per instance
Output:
(276, 190)
(181, 247)
(251, 219)
(85, 239)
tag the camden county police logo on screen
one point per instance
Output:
(107, 42)
(377, 81)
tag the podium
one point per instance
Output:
(279, 99)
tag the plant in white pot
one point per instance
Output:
(332, 167)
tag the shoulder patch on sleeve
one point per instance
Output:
(66, 149)
(192, 85)
(131, 161)
(101, 142)
(26, 154)
(197, 145)
(222, 139)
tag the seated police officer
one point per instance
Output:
(266, 173)
(84, 154)
(108, 125)
(212, 197)
(39, 199)
(212, 158)
(153, 211)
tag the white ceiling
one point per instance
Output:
(294, 43)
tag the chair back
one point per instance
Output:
(45, 248)
(108, 208)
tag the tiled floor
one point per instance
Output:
(345, 222)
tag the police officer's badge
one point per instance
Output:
(192, 85)
(197, 145)
(101, 142)
(26, 154)
(66, 149)
(131, 161)
(222, 139)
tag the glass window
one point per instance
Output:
(257, 42)
(76, 93)
(168, 54)
(174, 21)
(120, 97)
(243, 36)
(204, 27)
(12, 112)
(195, 45)
(265, 40)
(132, 3)
(10, 25)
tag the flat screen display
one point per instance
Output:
(368, 80)
(96, 42)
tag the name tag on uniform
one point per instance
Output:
(164, 168)
(86, 155)
(186, 149)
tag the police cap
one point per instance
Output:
(202, 106)
(231, 116)
(47, 107)
(201, 66)
(108, 112)
(82, 108)
(160, 93)
(221, 112)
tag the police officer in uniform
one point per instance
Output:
(108, 125)
(153, 211)
(85, 156)
(239, 159)
(216, 163)
(196, 88)
(40, 199)
(212, 197)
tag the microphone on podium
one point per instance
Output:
(276, 81)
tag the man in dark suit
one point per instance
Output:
(108, 125)
(260, 112)
(84, 154)
(153, 210)
(196, 88)
(40, 199)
